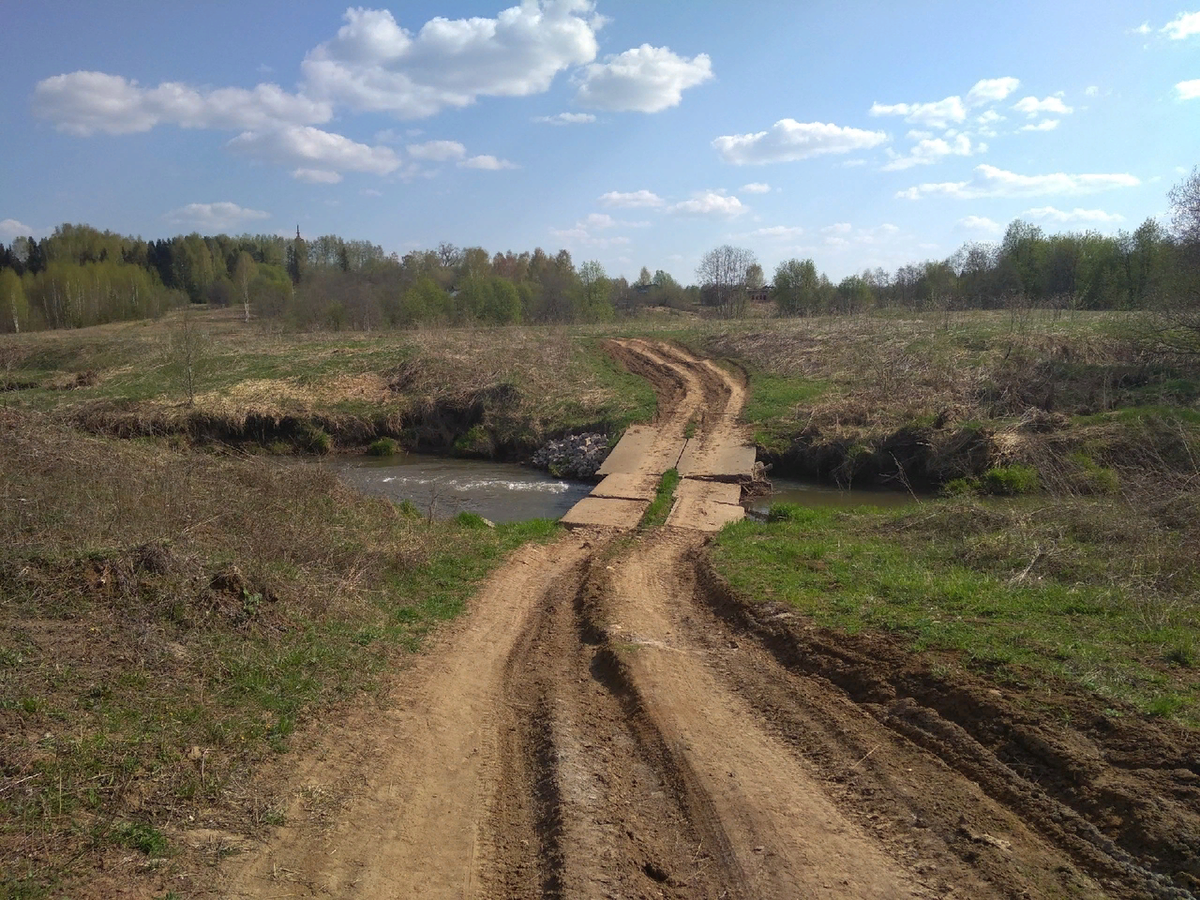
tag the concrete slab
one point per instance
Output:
(705, 505)
(621, 486)
(635, 453)
(605, 512)
(731, 463)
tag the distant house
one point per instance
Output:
(759, 295)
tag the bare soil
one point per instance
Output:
(610, 720)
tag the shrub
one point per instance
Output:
(383, 447)
(1010, 480)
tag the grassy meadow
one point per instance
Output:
(181, 587)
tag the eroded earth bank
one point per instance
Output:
(609, 720)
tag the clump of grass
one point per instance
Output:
(141, 836)
(385, 446)
(1001, 481)
(314, 439)
(664, 498)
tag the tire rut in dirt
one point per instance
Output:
(592, 803)
(1029, 773)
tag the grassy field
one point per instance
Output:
(174, 604)
(169, 616)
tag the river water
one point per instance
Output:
(507, 492)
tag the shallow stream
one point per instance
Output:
(507, 492)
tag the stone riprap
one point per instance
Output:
(576, 456)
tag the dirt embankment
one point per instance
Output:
(610, 720)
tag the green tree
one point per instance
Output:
(14, 309)
(798, 289)
(244, 272)
(722, 275)
(297, 258)
(597, 292)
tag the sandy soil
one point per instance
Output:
(610, 721)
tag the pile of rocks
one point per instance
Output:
(577, 456)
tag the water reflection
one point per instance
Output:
(803, 493)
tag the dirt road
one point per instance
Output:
(609, 721)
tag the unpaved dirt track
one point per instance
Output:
(609, 721)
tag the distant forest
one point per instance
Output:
(79, 276)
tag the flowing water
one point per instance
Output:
(502, 492)
(507, 492)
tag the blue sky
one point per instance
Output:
(638, 134)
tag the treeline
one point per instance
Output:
(80, 276)
(1147, 268)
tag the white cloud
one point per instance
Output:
(938, 114)
(316, 176)
(1047, 125)
(83, 103)
(1032, 106)
(599, 220)
(838, 228)
(788, 140)
(987, 122)
(488, 163)
(437, 151)
(756, 187)
(644, 79)
(990, 181)
(1075, 215)
(1144, 28)
(777, 232)
(371, 192)
(1183, 26)
(1188, 90)
(991, 90)
(311, 147)
(709, 203)
(631, 199)
(214, 217)
(567, 118)
(11, 229)
(980, 223)
(374, 64)
(1092, 90)
(932, 150)
(583, 231)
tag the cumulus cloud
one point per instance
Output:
(644, 79)
(1047, 125)
(1183, 26)
(838, 228)
(83, 103)
(931, 150)
(11, 228)
(1032, 106)
(1096, 216)
(583, 232)
(316, 176)
(788, 140)
(938, 114)
(709, 203)
(438, 151)
(756, 187)
(1188, 90)
(981, 224)
(566, 118)
(990, 181)
(374, 64)
(214, 217)
(488, 163)
(991, 90)
(631, 199)
(312, 148)
(1092, 90)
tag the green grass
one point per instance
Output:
(999, 593)
(771, 406)
(660, 507)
